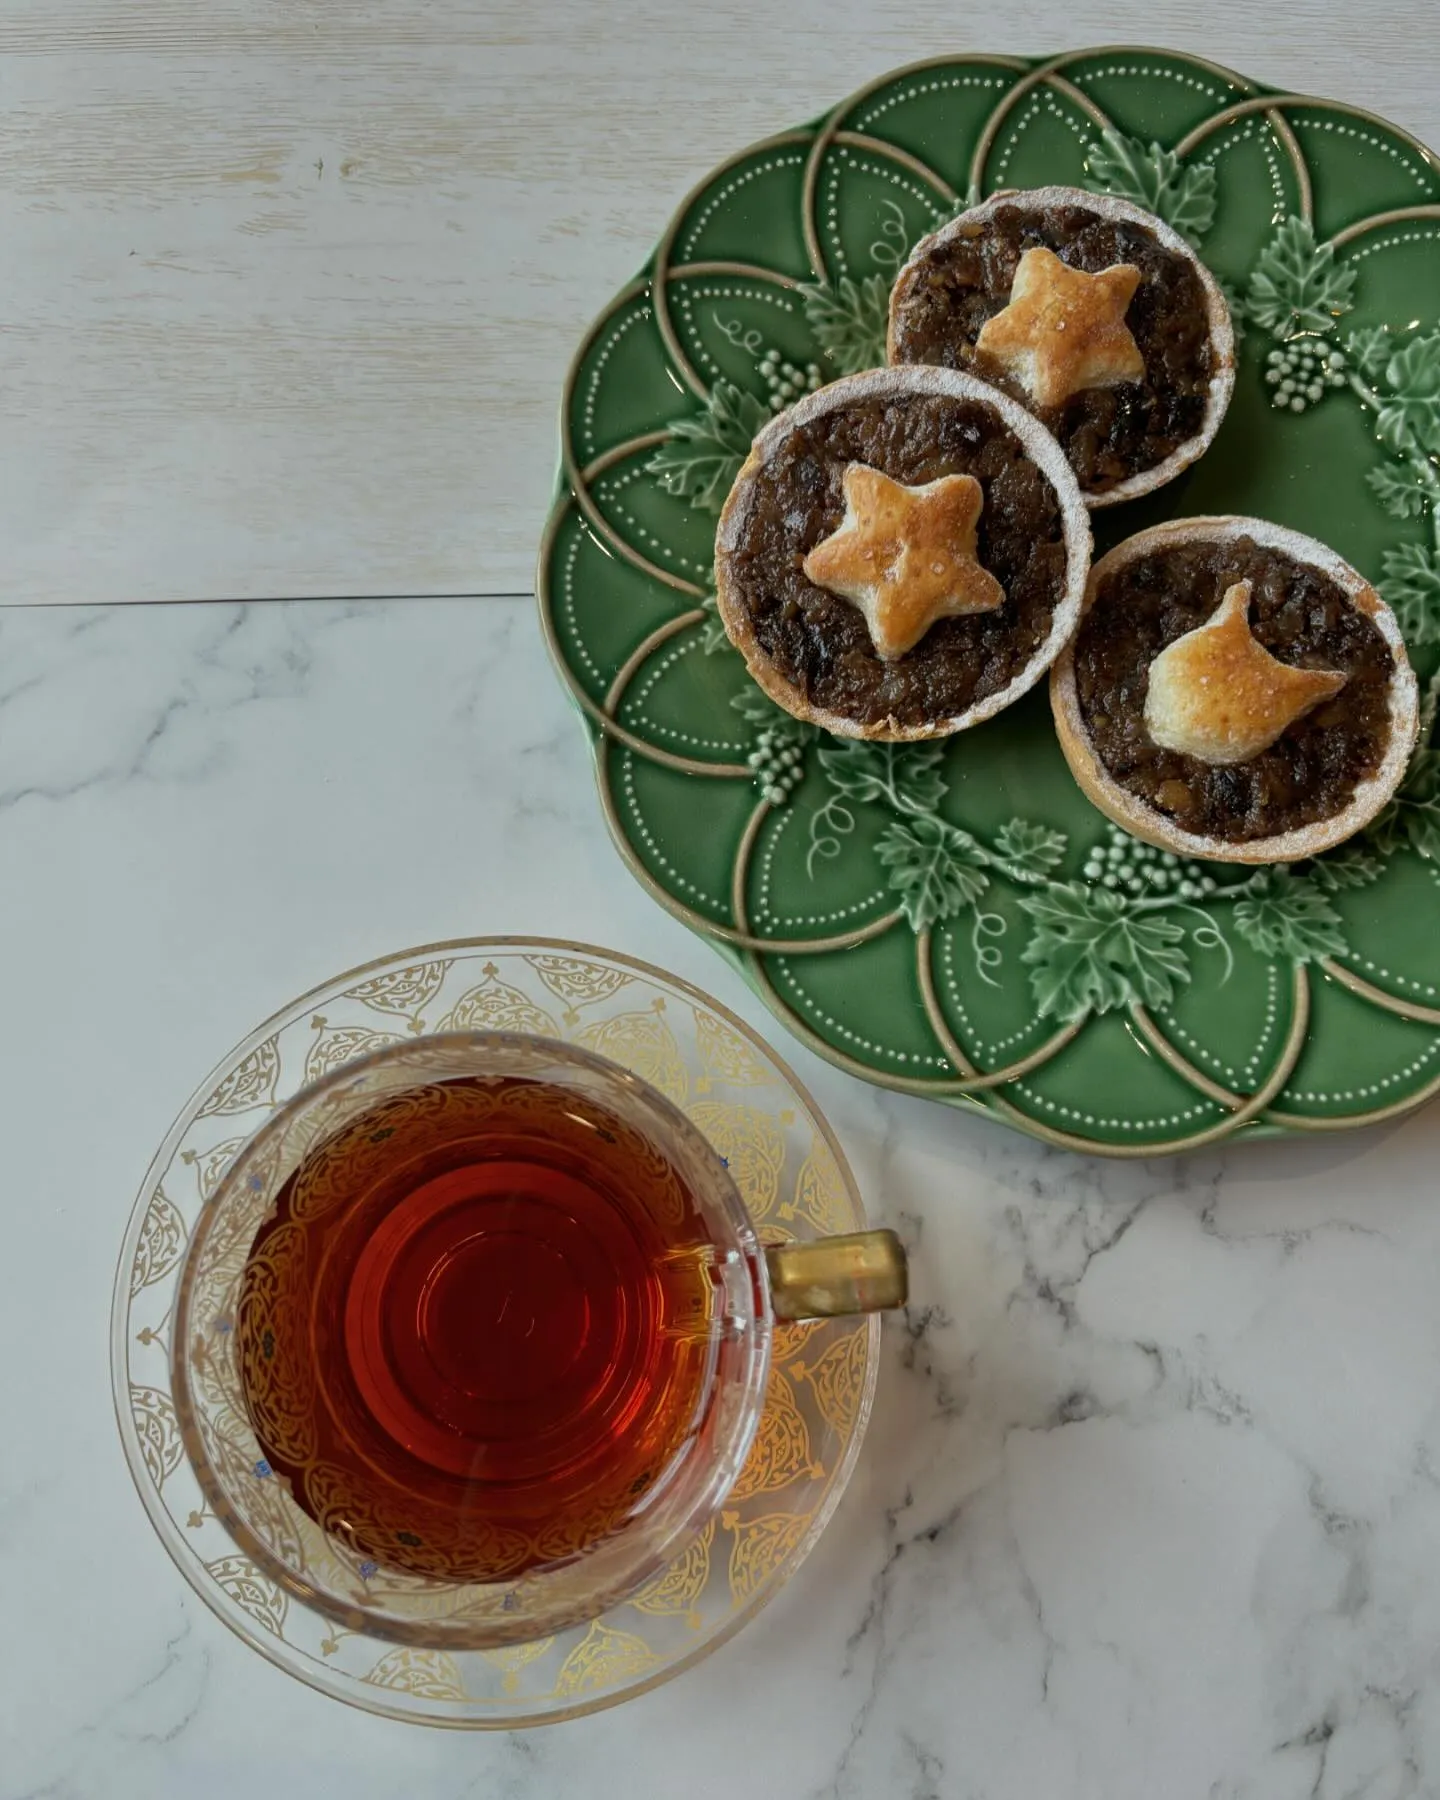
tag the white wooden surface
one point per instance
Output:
(289, 286)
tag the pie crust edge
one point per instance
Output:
(1144, 821)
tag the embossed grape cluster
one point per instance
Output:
(1299, 372)
(778, 764)
(786, 382)
(1126, 866)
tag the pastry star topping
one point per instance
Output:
(1218, 695)
(1065, 330)
(906, 556)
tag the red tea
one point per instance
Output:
(477, 1329)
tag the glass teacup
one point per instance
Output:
(474, 1336)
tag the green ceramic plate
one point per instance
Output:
(955, 920)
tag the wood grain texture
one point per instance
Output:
(290, 286)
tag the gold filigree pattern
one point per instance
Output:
(429, 1673)
(677, 1590)
(563, 1540)
(152, 1412)
(162, 1243)
(251, 1591)
(653, 1179)
(314, 1125)
(280, 1389)
(496, 1006)
(514, 1659)
(216, 1376)
(223, 1235)
(790, 1337)
(838, 1377)
(781, 1452)
(760, 1547)
(752, 1145)
(221, 1260)
(602, 1659)
(726, 1057)
(333, 1049)
(820, 1197)
(269, 1511)
(325, 1182)
(472, 1604)
(404, 991)
(210, 1168)
(418, 1596)
(251, 1084)
(579, 983)
(644, 1043)
(464, 1549)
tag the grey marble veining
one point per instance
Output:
(1150, 1508)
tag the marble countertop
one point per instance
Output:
(1150, 1506)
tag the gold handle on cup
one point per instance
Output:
(863, 1272)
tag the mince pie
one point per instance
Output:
(1235, 691)
(1092, 313)
(903, 554)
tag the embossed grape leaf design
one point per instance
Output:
(907, 777)
(1410, 582)
(1413, 817)
(1183, 194)
(713, 637)
(1397, 492)
(1090, 952)
(1400, 387)
(1421, 823)
(1030, 849)
(1287, 915)
(932, 869)
(759, 710)
(849, 320)
(1298, 285)
(1345, 869)
(700, 461)
(1412, 411)
(1369, 348)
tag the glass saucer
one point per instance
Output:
(796, 1182)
